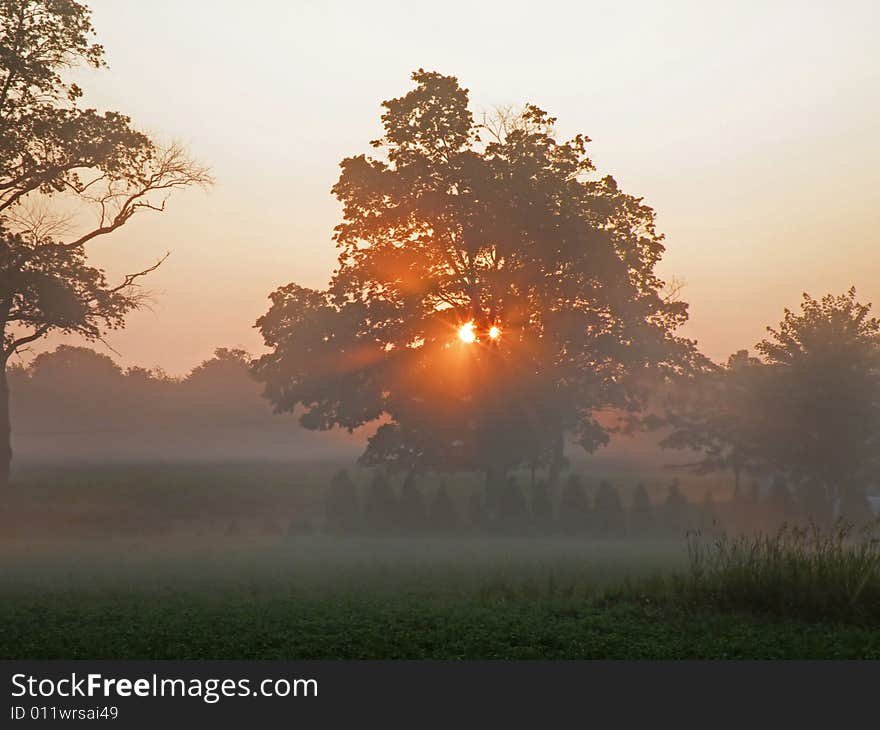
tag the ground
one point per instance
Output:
(438, 598)
(186, 563)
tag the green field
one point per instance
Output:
(141, 563)
(312, 597)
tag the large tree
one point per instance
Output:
(68, 175)
(808, 409)
(492, 294)
(824, 407)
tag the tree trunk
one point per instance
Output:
(5, 429)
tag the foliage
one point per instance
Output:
(512, 510)
(142, 624)
(608, 514)
(641, 516)
(675, 510)
(456, 223)
(718, 412)
(311, 598)
(96, 164)
(341, 503)
(380, 506)
(823, 412)
(411, 505)
(574, 508)
(50, 147)
(808, 411)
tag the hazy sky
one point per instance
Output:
(752, 128)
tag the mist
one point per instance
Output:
(555, 344)
(76, 405)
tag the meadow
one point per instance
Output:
(188, 589)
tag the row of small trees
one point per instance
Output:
(510, 509)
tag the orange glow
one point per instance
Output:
(494, 332)
(466, 333)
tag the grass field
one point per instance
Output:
(152, 579)
(312, 597)
(243, 625)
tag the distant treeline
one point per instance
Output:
(77, 404)
(573, 509)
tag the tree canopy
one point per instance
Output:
(492, 293)
(67, 176)
(102, 169)
(807, 410)
(824, 408)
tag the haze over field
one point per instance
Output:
(750, 129)
(510, 413)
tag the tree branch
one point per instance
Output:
(172, 169)
(130, 279)
(21, 341)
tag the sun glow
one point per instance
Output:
(466, 333)
(494, 332)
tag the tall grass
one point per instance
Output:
(804, 572)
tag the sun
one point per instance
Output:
(494, 332)
(466, 333)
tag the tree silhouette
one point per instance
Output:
(411, 505)
(824, 407)
(574, 508)
(719, 411)
(808, 411)
(444, 516)
(608, 514)
(491, 294)
(675, 510)
(77, 403)
(50, 146)
(341, 504)
(641, 513)
(380, 507)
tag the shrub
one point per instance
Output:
(512, 517)
(379, 506)
(675, 510)
(609, 516)
(574, 508)
(411, 506)
(341, 503)
(641, 513)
